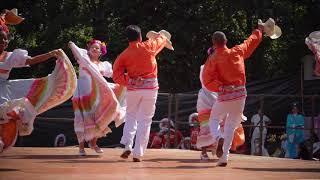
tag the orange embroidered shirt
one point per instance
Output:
(138, 61)
(225, 67)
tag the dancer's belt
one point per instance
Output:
(142, 83)
(229, 93)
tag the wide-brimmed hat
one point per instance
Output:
(271, 29)
(166, 34)
(315, 36)
(12, 17)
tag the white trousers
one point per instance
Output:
(232, 111)
(254, 143)
(140, 110)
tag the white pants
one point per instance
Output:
(255, 136)
(140, 110)
(232, 111)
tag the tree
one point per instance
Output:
(51, 24)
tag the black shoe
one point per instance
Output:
(136, 160)
(125, 154)
(224, 164)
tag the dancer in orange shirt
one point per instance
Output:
(136, 68)
(224, 72)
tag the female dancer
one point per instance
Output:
(95, 102)
(22, 99)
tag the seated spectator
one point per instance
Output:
(160, 139)
(281, 151)
(194, 130)
(60, 140)
(306, 148)
(316, 151)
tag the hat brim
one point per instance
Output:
(13, 19)
(153, 34)
(168, 45)
(276, 33)
(315, 35)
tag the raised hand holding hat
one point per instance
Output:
(270, 28)
(164, 33)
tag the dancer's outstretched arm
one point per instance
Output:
(250, 44)
(43, 57)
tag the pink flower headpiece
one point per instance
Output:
(103, 46)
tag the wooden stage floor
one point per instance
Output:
(64, 163)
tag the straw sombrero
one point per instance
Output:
(166, 34)
(271, 29)
(12, 17)
(315, 35)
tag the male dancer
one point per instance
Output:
(224, 72)
(136, 68)
(205, 141)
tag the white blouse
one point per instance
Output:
(105, 68)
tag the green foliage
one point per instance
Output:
(51, 24)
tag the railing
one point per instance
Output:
(261, 100)
(176, 103)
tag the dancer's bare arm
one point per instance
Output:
(43, 57)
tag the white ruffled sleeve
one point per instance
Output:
(18, 58)
(81, 55)
(107, 69)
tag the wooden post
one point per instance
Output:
(261, 124)
(313, 113)
(167, 145)
(176, 123)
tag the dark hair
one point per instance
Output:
(133, 32)
(295, 105)
(219, 38)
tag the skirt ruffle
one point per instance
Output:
(96, 103)
(26, 98)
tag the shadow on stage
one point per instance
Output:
(49, 157)
(316, 170)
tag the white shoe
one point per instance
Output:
(98, 149)
(1, 146)
(82, 152)
(204, 157)
(223, 161)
